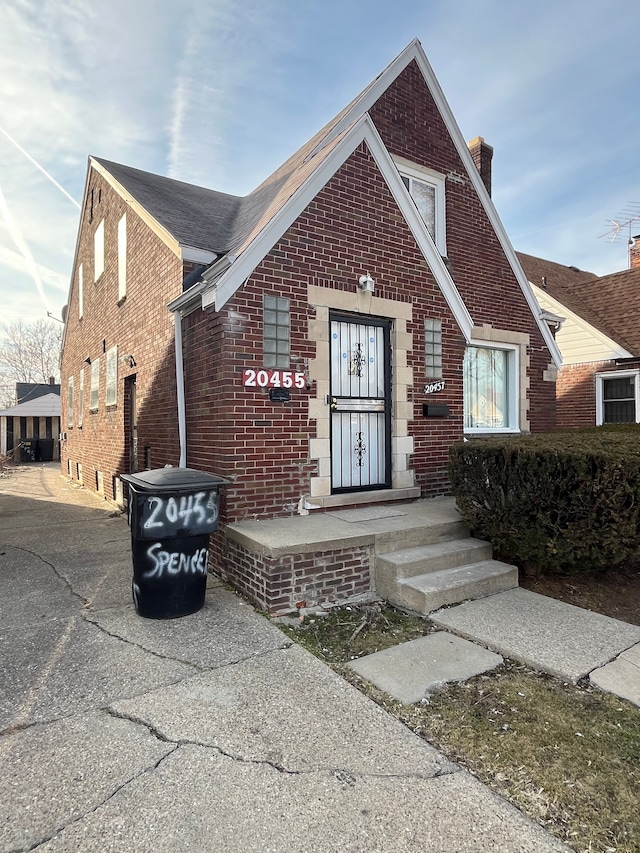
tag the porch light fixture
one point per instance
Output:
(367, 283)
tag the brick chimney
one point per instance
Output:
(482, 156)
(634, 253)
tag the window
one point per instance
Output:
(80, 293)
(433, 349)
(490, 389)
(81, 398)
(122, 258)
(112, 377)
(426, 188)
(70, 402)
(95, 385)
(98, 251)
(276, 342)
(617, 398)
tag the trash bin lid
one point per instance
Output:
(173, 479)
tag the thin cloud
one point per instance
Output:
(23, 248)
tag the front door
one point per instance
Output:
(360, 402)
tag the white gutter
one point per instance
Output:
(182, 417)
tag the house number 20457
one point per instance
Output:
(434, 386)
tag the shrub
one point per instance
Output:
(555, 502)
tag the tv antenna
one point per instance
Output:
(623, 224)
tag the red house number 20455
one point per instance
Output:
(273, 379)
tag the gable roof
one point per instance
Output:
(266, 214)
(194, 216)
(615, 299)
(610, 304)
(240, 231)
(42, 407)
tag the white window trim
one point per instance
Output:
(615, 374)
(70, 403)
(436, 180)
(80, 292)
(122, 257)
(81, 399)
(98, 251)
(94, 389)
(513, 367)
(111, 388)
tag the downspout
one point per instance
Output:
(182, 416)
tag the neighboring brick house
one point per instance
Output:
(598, 336)
(332, 333)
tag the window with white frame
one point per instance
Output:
(276, 332)
(95, 385)
(490, 389)
(426, 188)
(81, 398)
(111, 393)
(70, 402)
(98, 251)
(80, 293)
(617, 398)
(122, 258)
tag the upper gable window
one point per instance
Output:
(426, 188)
(122, 258)
(98, 251)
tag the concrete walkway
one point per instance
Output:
(210, 732)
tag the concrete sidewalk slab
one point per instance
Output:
(223, 632)
(546, 634)
(621, 676)
(56, 773)
(69, 666)
(411, 671)
(254, 711)
(199, 800)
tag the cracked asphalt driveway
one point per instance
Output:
(209, 732)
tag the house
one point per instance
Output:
(598, 336)
(32, 426)
(320, 342)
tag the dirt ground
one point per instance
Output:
(614, 593)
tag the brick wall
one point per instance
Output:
(577, 393)
(139, 325)
(411, 127)
(280, 584)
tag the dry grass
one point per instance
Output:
(566, 755)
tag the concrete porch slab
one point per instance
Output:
(546, 634)
(324, 531)
(410, 671)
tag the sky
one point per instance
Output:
(220, 92)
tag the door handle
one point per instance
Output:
(333, 404)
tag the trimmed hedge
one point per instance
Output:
(553, 502)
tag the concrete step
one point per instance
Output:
(425, 533)
(433, 558)
(428, 592)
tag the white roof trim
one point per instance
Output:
(196, 256)
(362, 131)
(414, 51)
(617, 350)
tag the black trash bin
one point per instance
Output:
(28, 450)
(172, 511)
